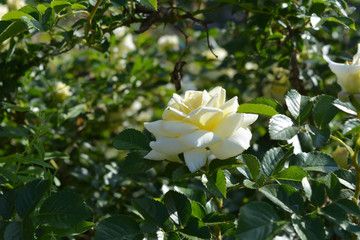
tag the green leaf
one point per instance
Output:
(224, 164)
(292, 173)
(345, 21)
(274, 160)
(63, 209)
(275, 36)
(32, 23)
(152, 4)
(319, 137)
(285, 197)
(306, 143)
(14, 132)
(54, 155)
(314, 161)
(349, 206)
(118, 227)
(347, 178)
(59, 5)
(7, 203)
(75, 111)
(152, 211)
(9, 29)
(74, 230)
(15, 15)
(299, 106)
(193, 194)
(215, 183)
(29, 196)
(135, 163)
(252, 164)
(48, 19)
(261, 109)
(77, 6)
(217, 218)
(282, 127)
(333, 186)
(131, 139)
(268, 102)
(36, 161)
(310, 227)
(178, 206)
(195, 229)
(198, 210)
(32, 11)
(318, 193)
(171, 236)
(324, 110)
(15, 107)
(119, 3)
(351, 126)
(14, 231)
(258, 220)
(345, 107)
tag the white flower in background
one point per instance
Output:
(127, 44)
(168, 43)
(15, 4)
(199, 125)
(221, 54)
(348, 74)
(3, 10)
(62, 91)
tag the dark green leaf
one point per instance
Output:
(217, 218)
(195, 228)
(261, 109)
(119, 3)
(292, 173)
(15, 107)
(285, 197)
(314, 161)
(59, 5)
(351, 126)
(324, 110)
(131, 139)
(135, 163)
(7, 203)
(216, 183)
(118, 227)
(54, 155)
(319, 137)
(274, 160)
(193, 194)
(29, 196)
(32, 23)
(305, 141)
(333, 186)
(252, 164)
(171, 236)
(310, 227)
(346, 21)
(318, 193)
(282, 127)
(299, 106)
(258, 220)
(32, 11)
(178, 206)
(74, 230)
(221, 164)
(153, 211)
(9, 29)
(14, 132)
(349, 206)
(48, 18)
(152, 4)
(64, 209)
(14, 231)
(348, 178)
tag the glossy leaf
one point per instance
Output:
(131, 139)
(324, 110)
(261, 109)
(345, 107)
(282, 127)
(153, 211)
(292, 173)
(310, 227)
(178, 206)
(299, 106)
(216, 183)
(333, 186)
(195, 229)
(117, 228)
(274, 160)
(252, 164)
(351, 126)
(314, 161)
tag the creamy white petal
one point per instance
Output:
(193, 99)
(233, 145)
(169, 146)
(205, 117)
(221, 95)
(173, 114)
(180, 103)
(155, 128)
(178, 128)
(228, 125)
(200, 139)
(195, 159)
(356, 57)
(248, 119)
(155, 155)
(230, 106)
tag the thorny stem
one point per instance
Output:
(217, 228)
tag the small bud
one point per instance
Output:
(343, 96)
(340, 156)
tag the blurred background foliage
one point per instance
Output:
(67, 90)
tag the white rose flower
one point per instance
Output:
(348, 74)
(168, 42)
(62, 91)
(200, 125)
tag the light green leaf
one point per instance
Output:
(292, 173)
(351, 126)
(261, 109)
(215, 183)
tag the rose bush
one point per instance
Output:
(348, 74)
(202, 126)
